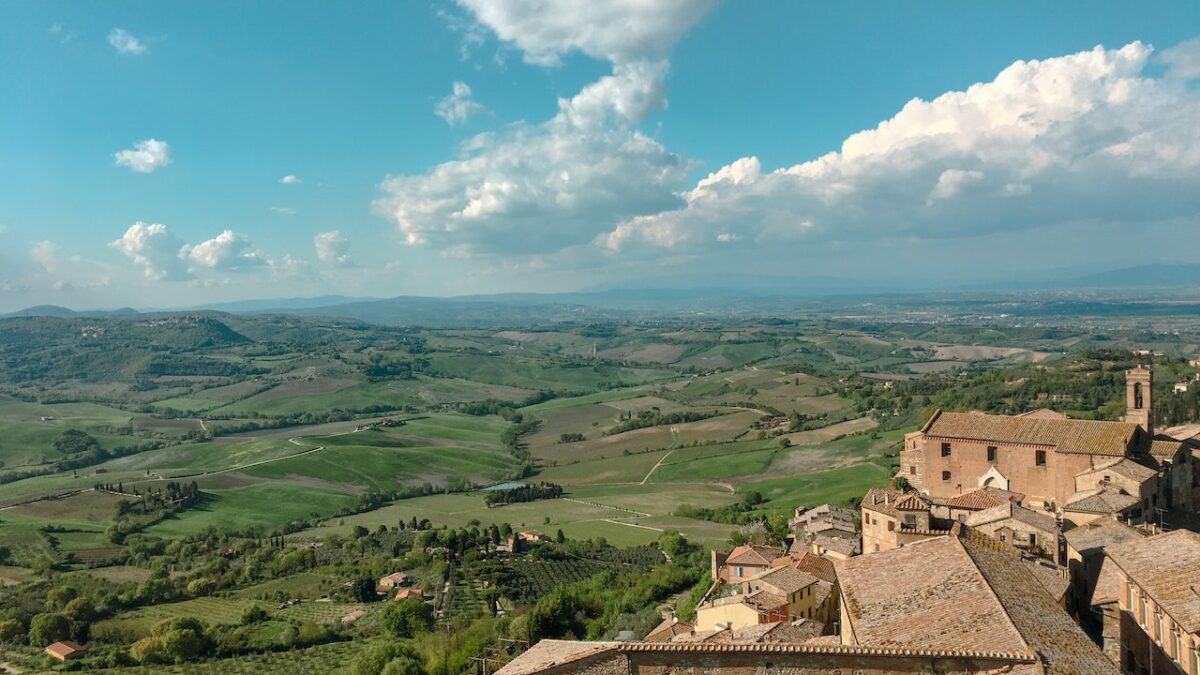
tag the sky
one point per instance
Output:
(173, 154)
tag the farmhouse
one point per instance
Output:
(1084, 468)
(353, 616)
(66, 650)
(406, 593)
(393, 580)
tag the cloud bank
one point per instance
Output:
(1084, 137)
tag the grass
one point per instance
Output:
(835, 486)
(619, 469)
(625, 515)
(264, 505)
(26, 440)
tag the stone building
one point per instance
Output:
(1093, 600)
(1026, 529)
(891, 519)
(825, 520)
(1156, 584)
(743, 562)
(1056, 461)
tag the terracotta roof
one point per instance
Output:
(549, 654)
(1044, 626)
(1132, 470)
(1167, 567)
(707, 636)
(924, 595)
(842, 545)
(893, 502)
(817, 566)
(1040, 520)
(1051, 577)
(353, 616)
(668, 629)
(778, 632)
(977, 500)
(786, 579)
(64, 648)
(1087, 437)
(1165, 448)
(753, 554)
(760, 600)
(1043, 413)
(1099, 534)
(1106, 501)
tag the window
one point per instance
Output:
(1032, 539)
(1128, 594)
(945, 449)
(1158, 627)
(945, 475)
(891, 526)
(1175, 644)
(1040, 458)
(912, 470)
(991, 453)
(910, 520)
(877, 548)
(737, 571)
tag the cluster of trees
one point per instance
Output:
(525, 493)
(741, 512)
(571, 437)
(654, 417)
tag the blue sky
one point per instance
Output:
(583, 144)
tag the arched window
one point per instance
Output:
(1137, 396)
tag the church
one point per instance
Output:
(1080, 469)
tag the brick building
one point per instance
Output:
(1056, 461)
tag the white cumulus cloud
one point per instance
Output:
(155, 250)
(614, 30)
(146, 156)
(536, 188)
(332, 248)
(124, 42)
(1183, 59)
(290, 180)
(1088, 136)
(226, 251)
(458, 107)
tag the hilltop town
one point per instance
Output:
(1024, 543)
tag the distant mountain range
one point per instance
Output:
(681, 296)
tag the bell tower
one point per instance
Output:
(1138, 386)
